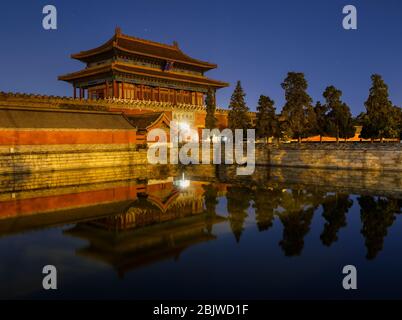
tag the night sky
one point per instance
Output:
(256, 42)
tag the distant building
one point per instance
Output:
(355, 138)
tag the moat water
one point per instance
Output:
(202, 235)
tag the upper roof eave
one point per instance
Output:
(113, 43)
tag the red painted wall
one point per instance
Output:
(46, 137)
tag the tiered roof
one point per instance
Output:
(146, 48)
(142, 71)
(132, 46)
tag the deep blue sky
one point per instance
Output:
(257, 42)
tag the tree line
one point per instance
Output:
(301, 119)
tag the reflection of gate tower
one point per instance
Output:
(160, 201)
(130, 249)
(160, 224)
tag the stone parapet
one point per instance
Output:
(26, 159)
(332, 156)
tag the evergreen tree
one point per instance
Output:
(210, 120)
(335, 207)
(377, 215)
(210, 201)
(266, 201)
(266, 122)
(238, 201)
(339, 118)
(296, 218)
(398, 120)
(321, 119)
(360, 118)
(298, 112)
(238, 117)
(380, 121)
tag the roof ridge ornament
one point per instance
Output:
(117, 31)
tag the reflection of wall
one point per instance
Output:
(51, 203)
(137, 201)
(385, 183)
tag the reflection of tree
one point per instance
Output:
(299, 207)
(238, 200)
(210, 199)
(335, 207)
(265, 203)
(377, 215)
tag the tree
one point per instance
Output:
(238, 117)
(266, 201)
(380, 121)
(266, 122)
(397, 116)
(339, 118)
(210, 120)
(377, 215)
(211, 201)
(360, 118)
(298, 112)
(238, 201)
(296, 216)
(321, 119)
(334, 210)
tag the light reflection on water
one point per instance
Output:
(283, 233)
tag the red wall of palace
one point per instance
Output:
(43, 136)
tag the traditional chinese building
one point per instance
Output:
(126, 67)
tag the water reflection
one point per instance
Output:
(265, 203)
(160, 224)
(296, 216)
(137, 222)
(335, 207)
(377, 215)
(134, 205)
(238, 201)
